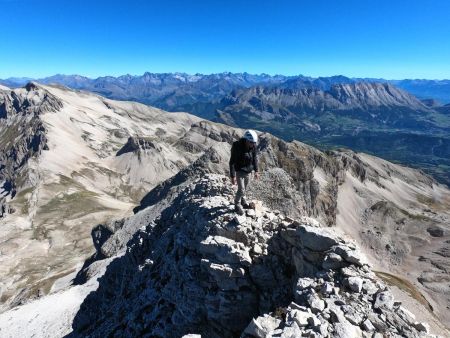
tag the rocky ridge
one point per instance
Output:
(199, 268)
(22, 136)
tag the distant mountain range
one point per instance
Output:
(365, 114)
(169, 91)
(173, 90)
(343, 108)
(436, 89)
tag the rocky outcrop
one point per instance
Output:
(30, 99)
(22, 134)
(135, 144)
(289, 184)
(198, 268)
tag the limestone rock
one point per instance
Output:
(367, 326)
(422, 327)
(304, 283)
(261, 327)
(316, 239)
(354, 283)
(314, 321)
(300, 317)
(333, 261)
(327, 288)
(406, 315)
(184, 262)
(384, 300)
(316, 304)
(346, 330)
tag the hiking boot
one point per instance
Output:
(238, 209)
(246, 206)
(250, 205)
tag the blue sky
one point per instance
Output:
(390, 39)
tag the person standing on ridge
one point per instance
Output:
(243, 161)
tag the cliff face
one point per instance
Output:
(371, 104)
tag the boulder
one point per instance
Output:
(354, 283)
(316, 304)
(304, 283)
(346, 330)
(367, 326)
(384, 301)
(422, 327)
(327, 288)
(316, 239)
(300, 317)
(261, 327)
(333, 261)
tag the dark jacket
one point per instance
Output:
(242, 159)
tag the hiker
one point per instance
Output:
(243, 161)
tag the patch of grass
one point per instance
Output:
(65, 182)
(20, 200)
(405, 286)
(85, 172)
(415, 216)
(69, 206)
(136, 194)
(425, 199)
(58, 204)
(104, 171)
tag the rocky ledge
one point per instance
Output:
(198, 268)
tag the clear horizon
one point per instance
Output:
(362, 39)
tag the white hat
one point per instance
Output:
(251, 136)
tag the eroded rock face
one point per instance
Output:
(28, 100)
(289, 184)
(135, 144)
(199, 268)
(22, 135)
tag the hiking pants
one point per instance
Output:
(242, 179)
